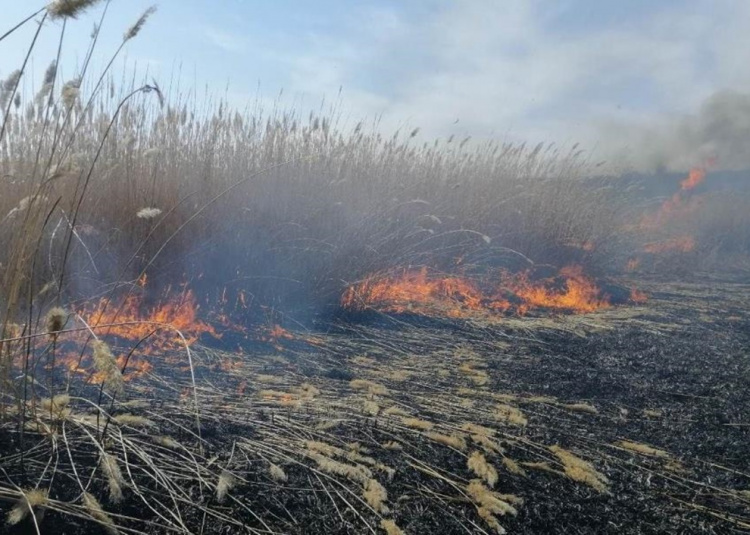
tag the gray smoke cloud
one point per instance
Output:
(719, 131)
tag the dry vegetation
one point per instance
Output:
(390, 428)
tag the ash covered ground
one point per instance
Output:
(627, 420)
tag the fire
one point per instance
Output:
(580, 294)
(695, 177)
(428, 293)
(682, 203)
(451, 296)
(166, 326)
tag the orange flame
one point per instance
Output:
(638, 297)
(695, 177)
(425, 293)
(161, 325)
(680, 204)
(580, 294)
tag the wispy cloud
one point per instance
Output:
(505, 69)
(227, 41)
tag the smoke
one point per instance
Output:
(718, 133)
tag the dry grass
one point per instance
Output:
(579, 470)
(479, 465)
(103, 184)
(643, 449)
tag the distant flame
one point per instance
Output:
(695, 177)
(680, 204)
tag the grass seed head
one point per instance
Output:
(115, 481)
(277, 473)
(138, 26)
(56, 319)
(390, 527)
(60, 9)
(376, 495)
(106, 364)
(479, 465)
(31, 500)
(96, 510)
(226, 483)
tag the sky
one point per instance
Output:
(589, 71)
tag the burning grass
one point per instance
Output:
(179, 390)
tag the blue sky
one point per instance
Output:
(566, 70)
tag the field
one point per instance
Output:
(627, 420)
(271, 321)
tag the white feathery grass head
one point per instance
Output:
(8, 86)
(96, 510)
(106, 364)
(479, 465)
(390, 527)
(167, 442)
(136, 28)
(26, 504)
(148, 213)
(226, 483)
(60, 9)
(115, 481)
(70, 91)
(133, 420)
(277, 473)
(376, 496)
(56, 319)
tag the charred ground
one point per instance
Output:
(653, 398)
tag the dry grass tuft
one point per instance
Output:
(225, 483)
(376, 495)
(133, 420)
(106, 364)
(416, 423)
(371, 408)
(579, 470)
(57, 406)
(115, 481)
(395, 410)
(372, 388)
(643, 449)
(510, 415)
(453, 441)
(56, 319)
(276, 472)
(490, 503)
(392, 445)
(30, 501)
(360, 474)
(167, 442)
(96, 510)
(580, 407)
(513, 467)
(475, 429)
(390, 527)
(479, 465)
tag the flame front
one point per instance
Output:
(433, 294)
(169, 325)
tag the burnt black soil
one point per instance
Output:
(674, 375)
